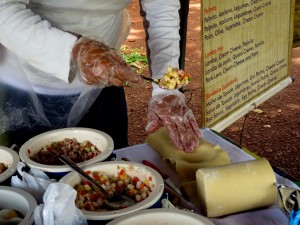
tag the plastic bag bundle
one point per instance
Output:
(59, 207)
(290, 202)
(35, 181)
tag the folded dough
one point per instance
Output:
(186, 164)
(204, 153)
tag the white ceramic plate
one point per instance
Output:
(132, 169)
(100, 139)
(11, 159)
(17, 199)
(161, 217)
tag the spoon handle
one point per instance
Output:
(65, 159)
(119, 201)
(150, 79)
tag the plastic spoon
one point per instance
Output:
(114, 202)
(156, 81)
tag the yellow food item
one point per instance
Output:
(174, 79)
(186, 164)
(233, 188)
(8, 214)
(204, 153)
(190, 190)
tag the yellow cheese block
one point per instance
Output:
(233, 188)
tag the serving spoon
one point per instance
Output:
(114, 202)
(156, 81)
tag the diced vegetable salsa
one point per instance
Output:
(3, 167)
(78, 152)
(119, 183)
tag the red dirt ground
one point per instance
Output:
(274, 133)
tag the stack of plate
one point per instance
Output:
(98, 138)
(161, 216)
(10, 159)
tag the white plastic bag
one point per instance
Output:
(35, 181)
(59, 207)
(290, 203)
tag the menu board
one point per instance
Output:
(246, 50)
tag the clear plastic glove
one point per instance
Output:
(101, 65)
(171, 111)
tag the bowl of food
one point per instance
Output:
(16, 206)
(9, 160)
(139, 182)
(83, 145)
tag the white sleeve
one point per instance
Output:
(162, 23)
(34, 40)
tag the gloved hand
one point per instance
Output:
(101, 65)
(171, 111)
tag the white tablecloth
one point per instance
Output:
(272, 215)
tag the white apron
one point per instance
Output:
(38, 59)
(36, 70)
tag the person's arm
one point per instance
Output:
(52, 50)
(167, 107)
(161, 22)
(34, 40)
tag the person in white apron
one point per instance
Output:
(59, 67)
